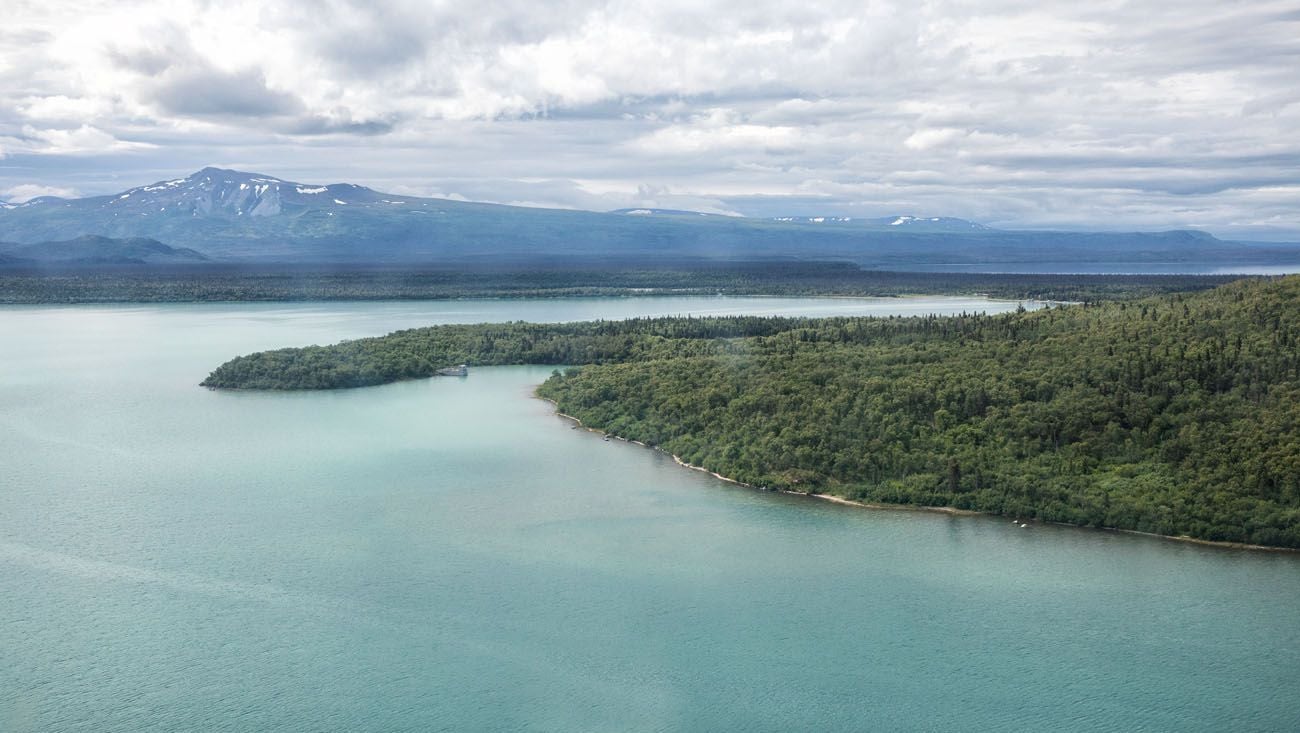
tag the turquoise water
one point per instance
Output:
(449, 555)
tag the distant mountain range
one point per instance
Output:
(901, 223)
(232, 216)
(932, 224)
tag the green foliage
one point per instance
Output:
(1178, 415)
(420, 352)
(219, 282)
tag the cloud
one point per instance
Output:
(148, 61)
(83, 140)
(213, 93)
(933, 137)
(716, 133)
(60, 108)
(1037, 115)
(27, 191)
(336, 123)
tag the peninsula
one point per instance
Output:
(1175, 415)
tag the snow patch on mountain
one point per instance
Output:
(814, 219)
(164, 185)
(903, 222)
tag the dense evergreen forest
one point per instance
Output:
(1177, 414)
(550, 278)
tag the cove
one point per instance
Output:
(448, 554)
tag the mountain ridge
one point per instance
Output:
(236, 216)
(96, 250)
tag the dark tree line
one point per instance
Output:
(227, 283)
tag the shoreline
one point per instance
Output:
(619, 294)
(951, 511)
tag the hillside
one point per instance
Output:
(235, 216)
(94, 250)
(1178, 415)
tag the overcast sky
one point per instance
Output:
(1107, 115)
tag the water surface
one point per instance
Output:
(448, 554)
(1286, 266)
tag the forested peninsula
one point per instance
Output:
(1177, 415)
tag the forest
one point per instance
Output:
(1177, 414)
(549, 278)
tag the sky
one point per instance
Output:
(1075, 115)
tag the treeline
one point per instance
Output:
(420, 352)
(1178, 414)
(228, 283)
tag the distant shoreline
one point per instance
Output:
(217, 283)
(952, 511)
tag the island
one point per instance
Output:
(1177, 415)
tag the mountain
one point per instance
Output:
(660, 212)
(96, 250)
(900, 223)
(235, 216)
(218, 193)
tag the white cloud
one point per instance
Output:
(933, 138)
(712, 135)
(83, 140)
(27, 191)
(60, 108)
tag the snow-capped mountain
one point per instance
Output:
(817, 219)
(217, 192)
(660, 212)
(947, 223)
(234, 215)
(903, 223)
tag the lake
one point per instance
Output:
(448, 554)
(1287, 267)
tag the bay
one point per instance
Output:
(448, 554)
